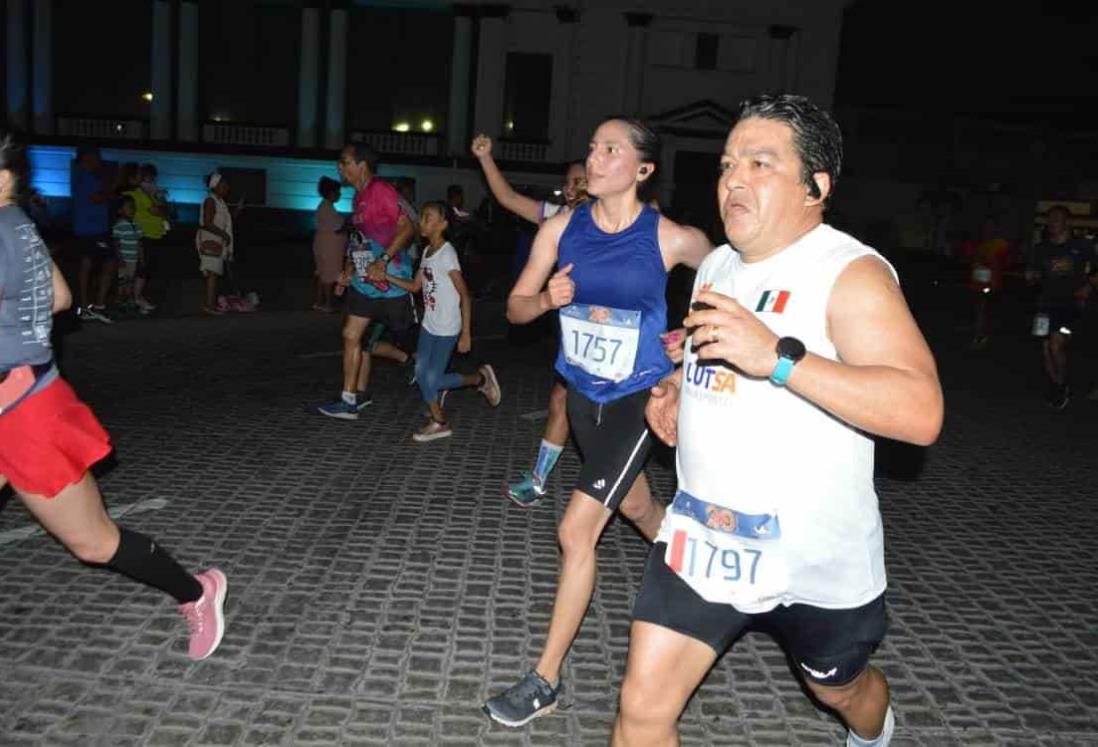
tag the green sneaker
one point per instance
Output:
(527, 492)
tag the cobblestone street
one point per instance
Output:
(381, 589)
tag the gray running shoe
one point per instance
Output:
(530, 697)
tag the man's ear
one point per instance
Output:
(823, 184)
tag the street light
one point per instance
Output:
(147, 96)
(427, 125)
(402, 127)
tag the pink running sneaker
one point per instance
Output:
(205, 617)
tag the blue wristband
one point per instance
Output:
(782, 371)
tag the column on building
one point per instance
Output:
(632, 92)
(783, 62)
(491, 69)
(187, 90)
(336, 111)
(160, 108)
(42, 58)
(560, 120)
(308, 77)
(461, 63)
(15, 63)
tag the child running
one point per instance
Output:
(447, 322)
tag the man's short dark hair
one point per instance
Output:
(364, 152)
(454, 190)
(816, 137)
(327, 186)
(1062, 209)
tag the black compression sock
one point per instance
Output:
(140, 558)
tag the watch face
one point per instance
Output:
(791, 347)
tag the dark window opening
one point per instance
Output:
(705, 53)
(527, 90)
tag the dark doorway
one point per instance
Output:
(694, 200)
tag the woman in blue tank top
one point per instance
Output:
(613, 256)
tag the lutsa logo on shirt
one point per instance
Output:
(715, 382)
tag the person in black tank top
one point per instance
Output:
(610, 431)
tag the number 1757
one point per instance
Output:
(595, 347)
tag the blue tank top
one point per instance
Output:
(610, 344)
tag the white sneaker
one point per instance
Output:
(144, 306)
(853, 740)
(432, 432)
(490, 387)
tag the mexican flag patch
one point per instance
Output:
(773, 301)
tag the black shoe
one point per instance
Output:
(1059, 398)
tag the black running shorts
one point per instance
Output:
(397, 314)
(614, 441)
(828, 646)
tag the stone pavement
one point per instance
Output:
(380, 589)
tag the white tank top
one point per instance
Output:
(776, 502)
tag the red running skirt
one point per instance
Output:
(49, 440)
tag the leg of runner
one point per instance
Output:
(372, 338)
(863, 705)
(664, 669)
(639, 507)
(528, 490)
(77, 518)
(386, 349)
(356, 369)
(536, 693)
(580, 528)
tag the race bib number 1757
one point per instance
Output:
(600, 340)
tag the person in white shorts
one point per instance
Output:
(214, 238)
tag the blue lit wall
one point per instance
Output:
(291, 182)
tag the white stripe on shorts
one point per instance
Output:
(629, 461)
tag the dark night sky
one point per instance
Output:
(1034, 63)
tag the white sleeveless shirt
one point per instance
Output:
(223, 219)
(776, 503)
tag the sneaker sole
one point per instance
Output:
(339, 415)
(219, 603)
(491, 376)
(433, 437)
(517, 502)
(516, 724)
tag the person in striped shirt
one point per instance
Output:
(127, 237)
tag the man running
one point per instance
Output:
(802, 344)
(382, 233)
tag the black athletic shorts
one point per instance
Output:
(828, 646)
(95, 247)
(397, 314)
(614, 440)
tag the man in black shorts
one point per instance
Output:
(91, 233)
(381, 233)
(801, 345)
(1062, 263)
